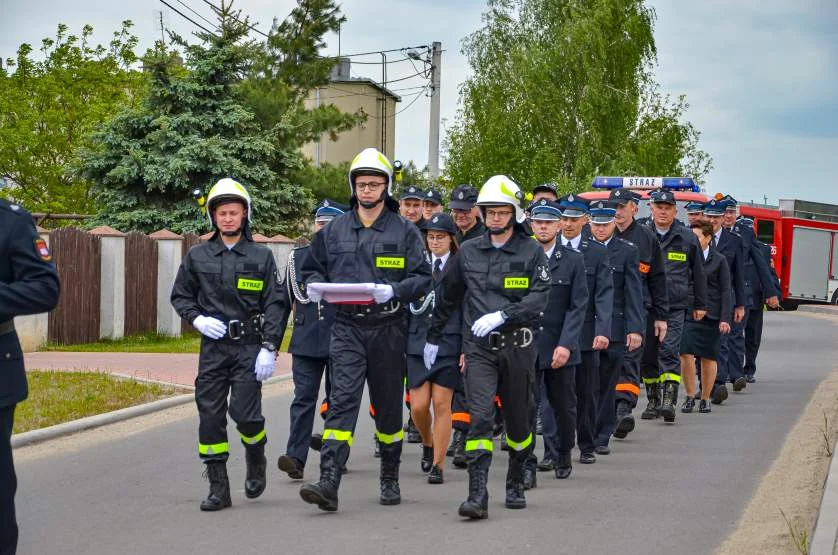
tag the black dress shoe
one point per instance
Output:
(587, 458)
(602, 450)
(719, 394)
(624, 426)
(750, 378)
(703, 406)
(563, 472)
(546, 465)
(689, 404)
(739, 384)
(435, 475)
(290, 466)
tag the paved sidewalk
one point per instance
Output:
(174, 368)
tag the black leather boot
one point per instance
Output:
(563, 466)
(652, 408)
(389, 478)
(670, 397)
(625, 420)
(324, 493)
(476, 506)
(515, 482)
(255, 482)
(219, 493)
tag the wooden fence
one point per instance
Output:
(140, 284)
(77, 258)
(189, 241)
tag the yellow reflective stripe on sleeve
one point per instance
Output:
(213, 449)
(670, 378)
(253, 440)
(649, 381)
(387, 439)
(519, 446)
(478, 444)
(338, 435)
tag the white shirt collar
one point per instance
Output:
(718, 235)
(444, 259)
(574, 243)
(706, 252)
(549, 252)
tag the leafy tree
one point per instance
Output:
(561, 90)
(191, 130)
(328, 181)
(48, 107)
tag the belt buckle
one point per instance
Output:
(526, 337)
(495, 340)
(394, 307)
(234, 329)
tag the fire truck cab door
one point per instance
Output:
(809, 272)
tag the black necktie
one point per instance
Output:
(437, 268)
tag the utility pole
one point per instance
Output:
(433, 139)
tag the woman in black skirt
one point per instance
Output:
(702, 338)
(436, 385)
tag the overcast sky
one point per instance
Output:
(761, 76)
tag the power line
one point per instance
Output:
(188, 7)
(415, 98)
(186, 17)
(249, 26)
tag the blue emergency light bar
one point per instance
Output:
(670, 183)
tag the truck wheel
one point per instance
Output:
(835, 298)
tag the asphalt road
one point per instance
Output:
(665, 488)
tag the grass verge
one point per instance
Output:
(56, 397)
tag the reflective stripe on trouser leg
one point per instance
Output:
(670, 378)
(213, 449)
(519, 445)
(387, 439)
(260, 437)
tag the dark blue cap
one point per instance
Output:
(622, 196)
(573, 206)
(412, 192)
(440, 222)
(544, 209)
(328, 210)
(602, 211)
(662, 196)
(433, 197)
(463, 197)
(715, 207)
(693, 207)
(550, 187)
(731, 202)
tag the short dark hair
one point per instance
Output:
(705, 227)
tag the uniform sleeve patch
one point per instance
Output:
(543, 273)
(43, 250)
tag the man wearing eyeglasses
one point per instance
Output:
(368, 244)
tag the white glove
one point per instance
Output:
(486, 324)
(430, 353)
(211, 327)
(382, 293)
(313, 295)
(265, 363)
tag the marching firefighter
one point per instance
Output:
(655, 297)
(229, 290)
(28, 285)
(309, 348)
(626, 318)
(686, 285)
(502, 281)
(368, 244)
(596, 329)
(558, 342)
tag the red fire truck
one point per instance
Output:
(803, 237)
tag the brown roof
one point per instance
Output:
(165, 234)
(106, 231)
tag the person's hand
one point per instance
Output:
(382, 293)
(724, 327)
(738, 314)
(314, 295)
(462, 362)
(560, 356)
(773, 302)
(429, 354)
(660, 329)
(699, 314)
(265, 363)
(210, 327)
(600, 343)
(486, 324)
(633, 341)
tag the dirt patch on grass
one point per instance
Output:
(781, 516)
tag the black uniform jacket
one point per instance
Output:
(566, 305)
(652, 268)
(758, 274)
(628, 290)
(484, 279)
(231, 284)
(390, 251)
(312, 321)
(730, 245)
(718, 287)
(451, 341)
(600, 292)
(28, 285)
(476, 231)
(685, 279)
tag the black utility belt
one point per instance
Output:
(245, 329)
(496, 340)
(364, 310)
(7, 327)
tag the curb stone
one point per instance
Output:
(98, 420)
(826, 528)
